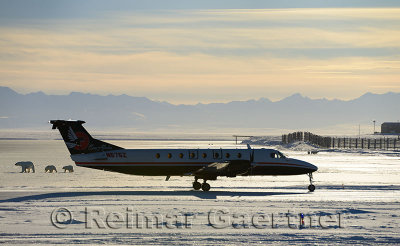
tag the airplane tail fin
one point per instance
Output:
(78, 140)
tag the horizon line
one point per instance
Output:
(200, 103)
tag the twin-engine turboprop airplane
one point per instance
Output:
(205, 164)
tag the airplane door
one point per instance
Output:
(193, 154)
(217, 153)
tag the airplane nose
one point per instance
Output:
(312, 167)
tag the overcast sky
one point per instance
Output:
(201, 51)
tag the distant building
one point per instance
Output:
(390, 127)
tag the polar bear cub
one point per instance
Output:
(50, 169)
(68, 168)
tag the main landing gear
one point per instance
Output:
(197, 185)
(311, 187)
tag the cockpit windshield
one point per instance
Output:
(281, 155)
(277, 154)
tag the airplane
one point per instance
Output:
(205, 164)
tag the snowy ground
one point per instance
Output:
(357, 201)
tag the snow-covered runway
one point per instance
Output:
(356, 202)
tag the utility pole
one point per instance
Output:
(374, 125)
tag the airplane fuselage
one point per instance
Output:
(180, 162)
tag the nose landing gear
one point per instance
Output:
(311, 187)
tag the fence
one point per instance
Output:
(343, 143)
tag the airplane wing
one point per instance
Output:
(228, 168)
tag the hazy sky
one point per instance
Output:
(201, 51)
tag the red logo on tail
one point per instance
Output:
(83, 141)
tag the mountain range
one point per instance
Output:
(294, 112)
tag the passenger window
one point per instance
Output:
(204, 155)
(181, 155)
(227, 155)
(239, 155)
(216, 155)
(169, 155)
(157, 155)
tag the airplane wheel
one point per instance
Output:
(311, 188)
(205, 187)
(196, 185)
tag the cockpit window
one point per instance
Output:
(277, 155)
(281, 155)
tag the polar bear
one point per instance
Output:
(50, 169)
(68, 168)
(27, 166)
